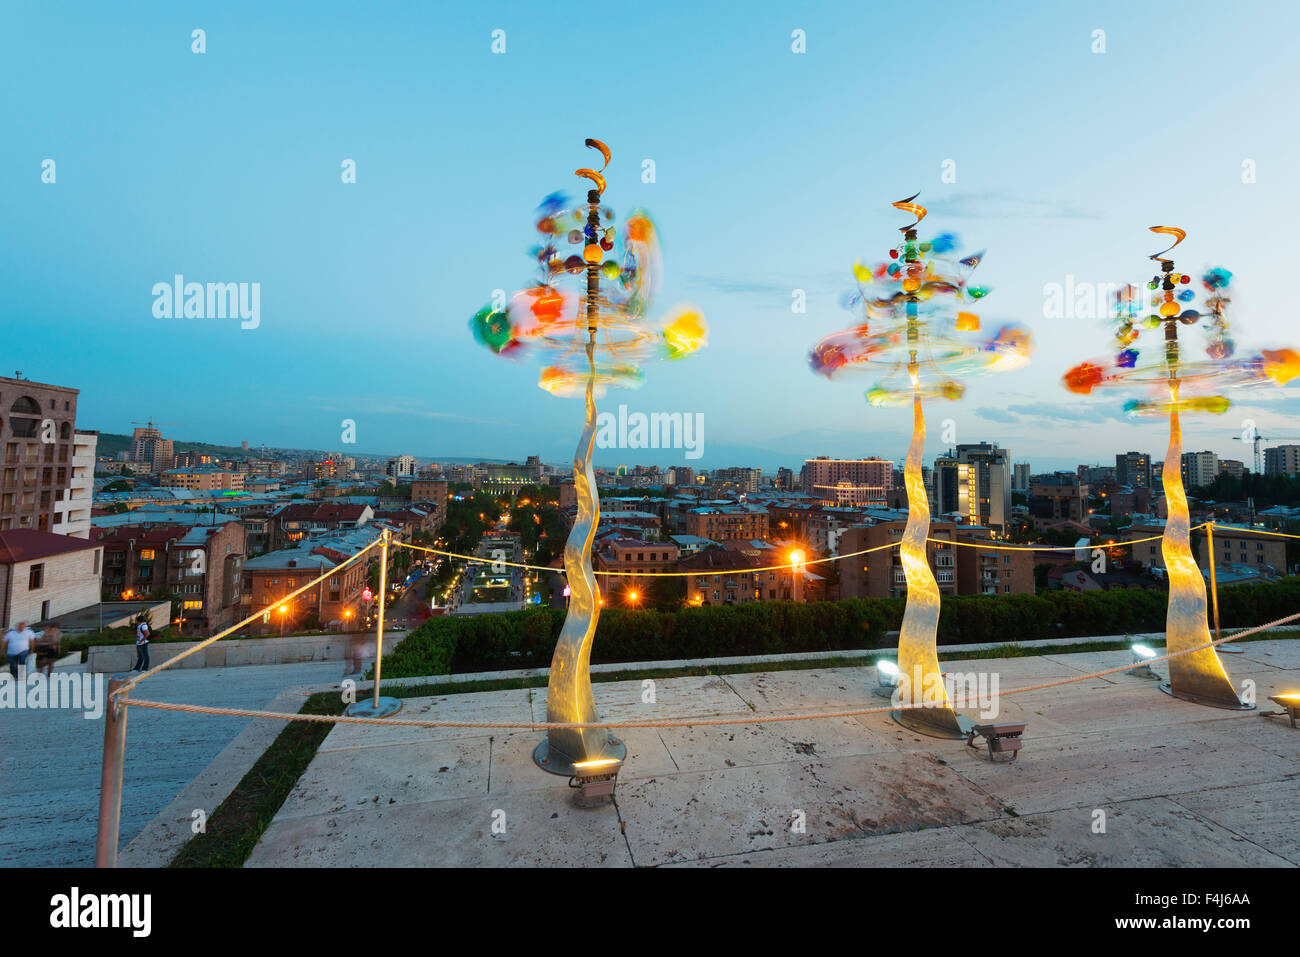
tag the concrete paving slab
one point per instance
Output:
(676, 697)
(543, 829)
(710, 748)
(1092, 769)
(397, 774)
(935, 847)
(714, 813)
(1154, 832)
(1262, 811)
(509, 705)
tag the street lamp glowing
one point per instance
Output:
(631, 596)
(796, 557)
(284, 609)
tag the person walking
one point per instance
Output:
(18, 642)
(142, 635)
(49, 647)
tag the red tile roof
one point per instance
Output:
(28, 544)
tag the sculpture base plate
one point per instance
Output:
(1202, 700)
(555, 761)
(367, 709)
(935, 722)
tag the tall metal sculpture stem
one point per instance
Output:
(568, 691)
(1199, 675)
(922, 696)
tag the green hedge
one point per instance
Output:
(526, 639)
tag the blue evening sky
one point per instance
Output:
(775, 171)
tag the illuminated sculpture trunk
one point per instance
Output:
(921, 694)
(1197, 676)
(568, 692)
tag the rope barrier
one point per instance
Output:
(744, 571)
(251, 618)
(663, 723)
(782, 567)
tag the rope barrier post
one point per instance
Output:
(110, 774)
(1214, 590)
(378, 707)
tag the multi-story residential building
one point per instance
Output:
(203, 478)
(861, 482)
(1279, 460)
(44, 575)
(1234, 548)
(48, 465)
(321, 470)
(993, 481)
(292, 523)
(986, 570)
(727, 521)
(201, 563)
(148, 446)
(1020, 477)
(740, 478)
(880, 573)
(1233, 468)
(73, 505)
(1058, 497)
(430, 490)
(632, 558)
(192, 458)
(403, 466)
(1133, 469)
(955, 490)
(723, 576)
(680, 475)
(1241, 546)
(1200, 468)
(785, 479)
(270, 579)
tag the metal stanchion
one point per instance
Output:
(1214, 591)
(110, 775)
(378, 707)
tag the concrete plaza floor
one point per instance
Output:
(50, 759)
(1173, 784)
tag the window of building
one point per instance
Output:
(146, 554)
(36, 577)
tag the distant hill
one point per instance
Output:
(111, 443)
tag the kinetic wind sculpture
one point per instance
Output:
(1177, 386)
(910, 337)
(595, 336)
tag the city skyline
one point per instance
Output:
(365, 288)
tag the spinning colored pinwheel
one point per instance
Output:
(919, 335)
(586, 317)
(1175, 385)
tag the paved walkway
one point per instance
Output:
(1113, 773)
(50, 759)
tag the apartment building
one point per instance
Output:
(631, 558)
(48, 465)
(203, 478)
(202, 563)
(726, 521)
(862, 482)
(879, 574)
(44, 575)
